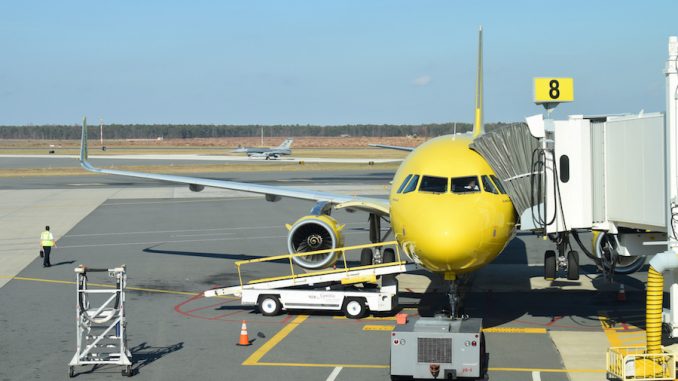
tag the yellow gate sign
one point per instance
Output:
(553, 90)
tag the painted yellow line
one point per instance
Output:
(611, 333)
(310, 365)
(618, 337)
(514, 330)
(378, 327)
(103, 285)
(373, 318)
(273, 341)
(37, 279)
(547, 370)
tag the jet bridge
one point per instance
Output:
(614, 175)
(604, 174)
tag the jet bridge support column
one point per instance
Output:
(670, 315)
(654, 362)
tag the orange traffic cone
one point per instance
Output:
(244, 340)
(621, 294)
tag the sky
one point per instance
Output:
(324, 62)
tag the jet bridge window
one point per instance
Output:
(499, 184)
(433, 184)
(402, 186)
(412, 185)
(467, 184)
(488, 186)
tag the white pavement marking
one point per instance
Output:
(536, 376)
(201, 234)
(334, 373)
(258, 227)
(209, 192)
(181, 241)
(175, 231)
(174, 241)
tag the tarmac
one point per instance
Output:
(177, 244)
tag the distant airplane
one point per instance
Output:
(268, 153)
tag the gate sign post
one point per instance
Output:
(553, 90)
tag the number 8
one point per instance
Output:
(554, 93)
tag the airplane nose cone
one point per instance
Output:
(450, 237)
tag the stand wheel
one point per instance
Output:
(354, 308)
(550, 265)
(572, 265)
(269, 305)
(71, 371)
(127, 372)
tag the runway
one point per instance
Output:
(66, 161)
(177, 244)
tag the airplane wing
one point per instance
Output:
(272, 193)
(399, 148)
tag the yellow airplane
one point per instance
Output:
(447, 209)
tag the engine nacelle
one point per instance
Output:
(196, 187)
(313, 233)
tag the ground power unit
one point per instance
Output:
(438, 348)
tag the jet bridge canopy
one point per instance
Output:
(599, 172)
(509, 152)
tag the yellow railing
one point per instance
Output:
(633, 363)
(341, 250)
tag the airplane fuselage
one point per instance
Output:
(447, 212)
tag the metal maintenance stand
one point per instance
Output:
(101, 330)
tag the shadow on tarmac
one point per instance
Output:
(63, 263)
(235, 257)
(553, 308)
(144, 354)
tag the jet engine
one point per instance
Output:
(313, 233)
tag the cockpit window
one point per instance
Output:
(412, 185)
(402, 186)
(433, 184)
(465, 184)
(488, 186)
(499, 184)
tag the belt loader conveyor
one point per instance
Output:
(323, 290)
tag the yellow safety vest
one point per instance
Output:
(46, 239)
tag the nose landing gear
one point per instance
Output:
(563, 260)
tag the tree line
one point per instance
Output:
(185, 131)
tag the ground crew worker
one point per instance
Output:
(46, 241)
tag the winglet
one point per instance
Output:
(478, 128)
(83, 144)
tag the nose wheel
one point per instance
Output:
(565, 260)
